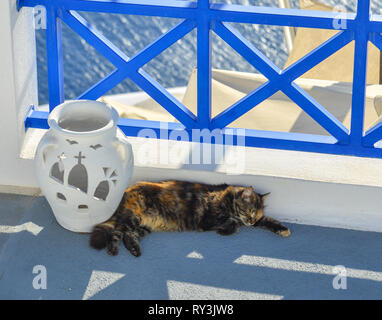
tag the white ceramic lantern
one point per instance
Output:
(83, 164)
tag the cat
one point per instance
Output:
(181, 206)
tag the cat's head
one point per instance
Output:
(249, 205)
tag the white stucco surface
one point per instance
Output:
(18, 90)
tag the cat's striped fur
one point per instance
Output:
(181, 206)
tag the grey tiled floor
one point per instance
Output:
(252, 264)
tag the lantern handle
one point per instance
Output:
(127, 156)
(49, 142)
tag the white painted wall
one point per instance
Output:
(18, 90)
(308, 202)
(306, 188)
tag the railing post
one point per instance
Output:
(204, 64)
(361, 37)
(54, 58)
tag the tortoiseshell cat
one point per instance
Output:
(181, 206)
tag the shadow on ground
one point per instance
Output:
(192, 265)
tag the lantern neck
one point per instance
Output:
(84, 118)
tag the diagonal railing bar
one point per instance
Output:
(373, 135)
(259, 61)
(95, 38)
(295, 93)
(164, 98)
(162, 43)
(317, 112)
(138, 60)
(376, 39)
(154, 89)
(157, 92)
(145, 55)
(283, 78)
(246, 49)
(267, 67)
(319, 54)
(106, 84)
(244, 105)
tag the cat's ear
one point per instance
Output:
(247, 194)
(264, 196)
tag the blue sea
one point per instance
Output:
(84, 66)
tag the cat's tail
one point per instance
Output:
(101, 234)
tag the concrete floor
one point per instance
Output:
(12, 210)
(253, 264)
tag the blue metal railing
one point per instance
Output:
(205, 16)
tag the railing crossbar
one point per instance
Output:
(129, 67)
(359, 27)
(273, 73)
(95, 38)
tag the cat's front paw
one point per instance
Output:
(135, 251)
(228, 229)
(113, 245)
(113, 250)
(99, 238)
(132, 244)
(284, 233)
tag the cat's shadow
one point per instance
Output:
(252, 263)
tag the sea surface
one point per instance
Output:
(84, 66)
